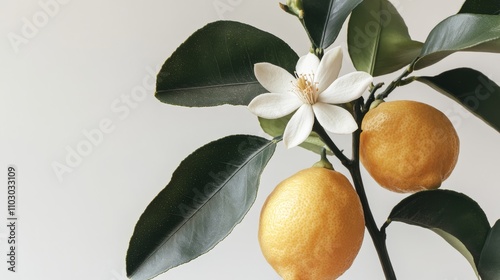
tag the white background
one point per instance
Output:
(89, 56)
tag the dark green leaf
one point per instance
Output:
(215, 65)
(209, 193)
(476, 92)
(454, 216)
(378, 38)
(489, 263)
(486, 7)
(276, 127)
(462, 32)
(323, 19)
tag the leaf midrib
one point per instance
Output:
(198, 210)
(425, 51)
(325, 25)
(457, 49)
(377, 44)
(206, 87)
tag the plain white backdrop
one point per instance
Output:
(88, 65)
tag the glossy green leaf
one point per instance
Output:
(276, 127)
(486, 7)
(489, 263)
(378, 38)
(462, 32)
(209, 193)
(454, 216)
(215, 65)
(476, 92)
(323, 19)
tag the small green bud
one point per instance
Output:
(293, 7)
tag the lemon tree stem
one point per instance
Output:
(353, 165)
(396, 83)
(371, 98)
(331, 145)
(378, 236)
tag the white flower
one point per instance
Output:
(312, 92)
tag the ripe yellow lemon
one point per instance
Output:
(408, 146)
(312, 225)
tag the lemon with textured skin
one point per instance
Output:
(312, 225)
(408, 146)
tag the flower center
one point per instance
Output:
(306, 89)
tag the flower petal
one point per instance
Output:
(273, 78)
(274, 105)
(346, 88)
(329, 68)
(307, 64)
(334, 118)
(299, 127)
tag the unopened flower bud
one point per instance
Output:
(294, 7)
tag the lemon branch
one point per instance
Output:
(378, 236)
(396, 83)
(400, 81)
(331, 145)
(371, 98)
(353, 165)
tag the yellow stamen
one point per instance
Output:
(306, 89)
